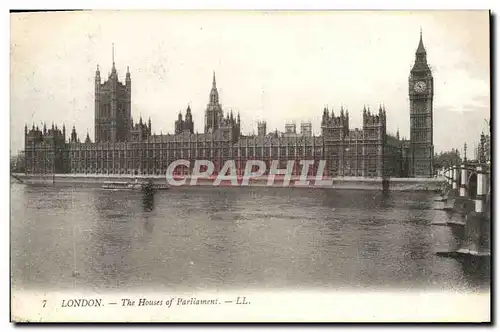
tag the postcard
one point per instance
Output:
(250, 166)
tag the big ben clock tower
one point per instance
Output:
(421, 93)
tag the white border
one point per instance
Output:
(187, 4)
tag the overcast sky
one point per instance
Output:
(273, 66)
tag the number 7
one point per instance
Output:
(44, 303)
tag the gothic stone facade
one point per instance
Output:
(122, 147)
(421, 92)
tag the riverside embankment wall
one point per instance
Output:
(392, 184)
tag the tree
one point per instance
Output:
(447, 159)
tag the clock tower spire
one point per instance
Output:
(421, 94)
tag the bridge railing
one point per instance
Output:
(471, 180)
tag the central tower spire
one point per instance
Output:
(214, 94)
(213, 113)
(113, 57)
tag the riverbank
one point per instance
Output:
(392, 184)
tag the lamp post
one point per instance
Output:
(482, 150)
(54, 164)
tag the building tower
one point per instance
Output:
(213, 113)
(306, 129)
(421, 93)
(334, 130)
(179, 124)
(112, 107)
(189, 124)
(261, 128)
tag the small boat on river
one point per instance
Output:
(154, 186)
(144, 186)
(121, 186)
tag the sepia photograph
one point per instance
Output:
(250, 166)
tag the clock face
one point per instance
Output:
(420, 86)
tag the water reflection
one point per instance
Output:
(111, 238)
(148, 205)
(148, 201)
(386, 200)
(189, 238)
(113, 206)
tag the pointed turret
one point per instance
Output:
(189, 125)
(324, 119)
(420, 57)
(397, 134)
(98, 75)
(113, 69)
(214, 94)
(189, 116)
(179, 124)
(127, 77)
(420, 48)
(73, 135)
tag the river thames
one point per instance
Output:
(205, 238)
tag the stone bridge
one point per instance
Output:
(467, 197)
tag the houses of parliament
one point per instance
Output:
(121, 146)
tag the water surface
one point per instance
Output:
(230, 238)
